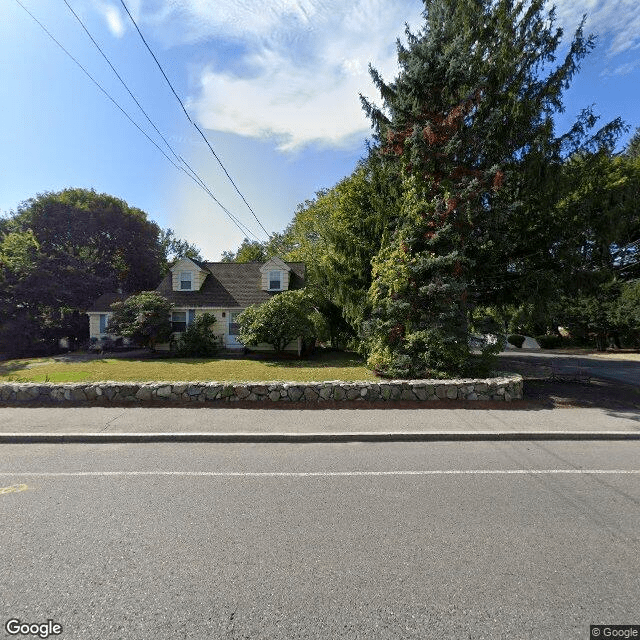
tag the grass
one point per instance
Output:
(327, 366)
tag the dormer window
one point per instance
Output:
(186, 280)
(275, 280)
(274, 275)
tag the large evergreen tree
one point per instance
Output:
(632, 150)
(470, 113)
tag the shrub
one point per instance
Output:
(279, 321)
(429, 354)
(143, 317)
(516, 339)
(198, 340)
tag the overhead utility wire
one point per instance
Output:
(215, 155)
(176, 155)
(237, 222)
(124, 84)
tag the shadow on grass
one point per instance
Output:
(12, 369)
(323, 363)
(317, 361)
(28, 370)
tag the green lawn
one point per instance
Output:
(328, 366)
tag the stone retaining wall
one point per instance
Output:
(505, 388)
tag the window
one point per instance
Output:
(186, 278)
(275, 280)
(178, 320)
(234, 326)
(103, 323)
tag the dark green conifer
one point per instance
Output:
(472, 105)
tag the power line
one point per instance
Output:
(243, 228)
(124, 84)
(177, 156)
(215, 155)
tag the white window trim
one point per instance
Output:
(280, 279)
(186, 319)
(183, 279)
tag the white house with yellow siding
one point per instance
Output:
(223, 289)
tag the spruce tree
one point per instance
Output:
(471, 108)
(632, 150)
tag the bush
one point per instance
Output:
(516, 339)
(430, 354)
(550, 341)
(100, 345)
(198, 341)
(279, 321)
(143, 317)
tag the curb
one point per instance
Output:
(293, 438)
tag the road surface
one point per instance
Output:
(609, 368)
(423, 540)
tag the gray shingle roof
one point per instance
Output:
(229, 284)
(104, 302)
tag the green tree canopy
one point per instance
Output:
(175, 248)
(279, 321)
(248, 251)
(61, 251)
(144, 317)
(632, 150)
(469, 117)
(96, 241)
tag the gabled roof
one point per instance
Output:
(229, 284)
(274, 263)
(198, 263)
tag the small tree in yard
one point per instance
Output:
(197, 340)
(278, 321)
(143, 317)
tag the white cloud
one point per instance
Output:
(194, 20)
(292, 103)
(616, 22)
(306, 74)
(304, 62)
(113, 18)
(621, 70)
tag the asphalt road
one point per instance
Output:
(439, 540)
(626, 371)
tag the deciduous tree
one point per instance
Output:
(144, 317)
(61, 251)
(279, 321)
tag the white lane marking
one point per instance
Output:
(307, 474)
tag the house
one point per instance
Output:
(99, 315)
(224, 289)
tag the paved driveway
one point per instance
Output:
(609, 367)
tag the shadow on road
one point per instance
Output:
(601, 394)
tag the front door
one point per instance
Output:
(234, 330)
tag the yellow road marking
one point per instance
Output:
(14, 488)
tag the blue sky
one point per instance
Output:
(273, 84)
